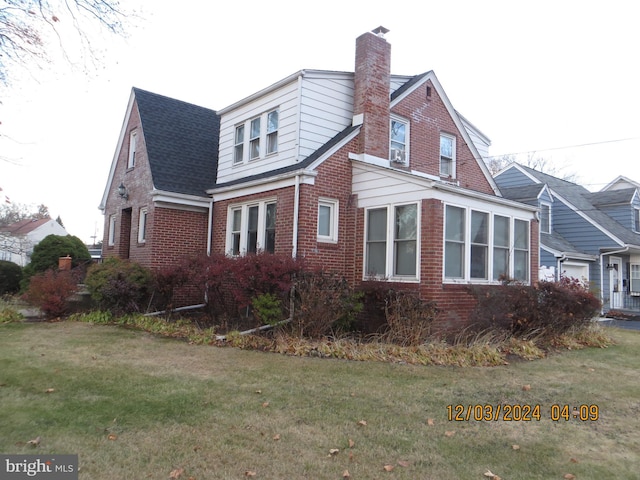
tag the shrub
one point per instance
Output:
(408, 318)
(323, 301)
(47, 252)
(166, 281)
(10, 276)
(267, 308)
(50, 291)
(119, 286)
(547, 308)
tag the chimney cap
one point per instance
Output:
(380, 31)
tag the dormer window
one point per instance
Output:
(545, 218)
(254, 139)
(447, 155)
(238, 149)
(636, 219)
(272, 132)
(399, 140)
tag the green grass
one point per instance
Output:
(221, 412)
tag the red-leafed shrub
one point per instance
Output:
(50, 291)
(544, 308)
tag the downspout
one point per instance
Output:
(296, 209)
(560, 260)
(210, 228)
(626, 249)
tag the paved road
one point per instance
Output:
(627, 324)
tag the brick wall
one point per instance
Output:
(429, 118)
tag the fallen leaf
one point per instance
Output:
(35, 442)
(573, 460)
(258, 392)
(526, 388)
(515, 447)
(569, 476)
(431, 422)
(176, 473)
(112, 437)
(403, 463)
(489, 474)
(50, 390)
(250, 473)
(362, 423)
(351, 443)
(334, 451)
(265, 404)
(592, 369)
(276, 437)
(196, 448)
(449, 433)
(388, 468)
(346, 474)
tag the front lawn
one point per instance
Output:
(135, 406)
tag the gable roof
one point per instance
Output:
(529, 194)
(24, 227)
(182, 143)
(580, 200)
(621, 182)
(613, 197)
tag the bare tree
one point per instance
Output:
(29, 29)
(532, 160)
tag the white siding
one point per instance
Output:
(285, 100)
(310, 114)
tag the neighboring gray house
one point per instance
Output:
(593, 236)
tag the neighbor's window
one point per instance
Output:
(111, 240)
(447, 155)
(133, 144)
(399, 141)
(254, 139)
(636, 219)
(238, 149)
(397, 258)
(252, 228)
(142, 226)
(545, 218)
(272, 132)
(635, 277)
(327, 220)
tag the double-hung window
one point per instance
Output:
(272, 132)
(252, 228)
(636, 219)
(327, 220)
(635, 277)
(238, 148)
(391, 247)
(447, 155)
(254, 139)
(399, 141)
(480, 246)
(545, 218)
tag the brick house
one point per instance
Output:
(364, 173)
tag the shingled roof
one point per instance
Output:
(182, 143)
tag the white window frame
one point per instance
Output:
(390, 244)
(333, 206)
(636, 219)
(547, 206)
(634, 277)
(452, 173)
(491, 247)
(271, 140)
(255, 139)
(133, 145)
(143, 225)
(399, 158)
(243, 231)
(111, 239)
(238, 144)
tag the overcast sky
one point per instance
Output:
(558, 79)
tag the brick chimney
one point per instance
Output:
(371, 91)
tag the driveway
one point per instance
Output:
(627, 324)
